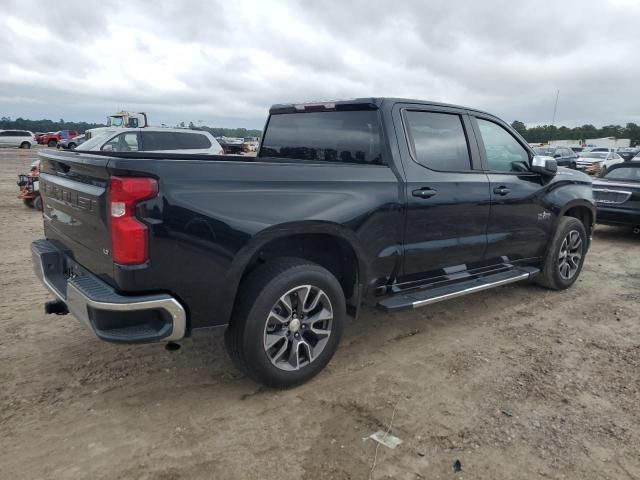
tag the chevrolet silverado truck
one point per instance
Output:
(389, 202)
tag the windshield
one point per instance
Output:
(95, 141)
(599, 155)
(115, 121)
(544, 151)
(624, 173)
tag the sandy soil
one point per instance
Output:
(517, 382)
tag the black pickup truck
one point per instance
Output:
(397, 203)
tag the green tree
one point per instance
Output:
(519, 127)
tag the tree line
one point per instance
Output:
(544, 133)
(45, 125)
(6, 123)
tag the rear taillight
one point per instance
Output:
(129, 236)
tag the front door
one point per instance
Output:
(447, 192)
(519, 224)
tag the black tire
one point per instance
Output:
(259, 293)
(25, 145)
(52, 143)
(551, 276)
(37, 203)
(28, 202)
(572, 166)
(71, 146)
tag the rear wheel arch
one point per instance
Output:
(332, 251)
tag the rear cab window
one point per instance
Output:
(334, 136)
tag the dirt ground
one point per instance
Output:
(514, 383)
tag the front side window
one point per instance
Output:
(125, 142)
(438, 141)
(504, 152)
(342, 136)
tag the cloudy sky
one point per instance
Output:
(225, 62)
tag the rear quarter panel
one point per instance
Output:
(212, 216)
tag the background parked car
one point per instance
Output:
(71, 143)
(595, 163)
(617, 195)
(565, 157)
(628, 153)
(52, 139)
(150, 139)
(16, 138)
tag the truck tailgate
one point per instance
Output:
(74, 190)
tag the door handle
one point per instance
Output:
(424, 192)
(501, 190)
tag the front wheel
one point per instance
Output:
(287, 322)
(565, 257)
(52, 143)
(25, 145)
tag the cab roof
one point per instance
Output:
(365, 103)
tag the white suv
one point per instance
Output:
(153, 139)
(16, 138)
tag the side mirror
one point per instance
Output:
(544, 165)
(107, 148)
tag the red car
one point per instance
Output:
(52, 139)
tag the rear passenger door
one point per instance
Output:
(519, 225)
(447, 192)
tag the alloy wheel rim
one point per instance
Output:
(298, 327)
(570, 255)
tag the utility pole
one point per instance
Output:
(555, 108)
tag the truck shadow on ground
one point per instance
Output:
(201, 364)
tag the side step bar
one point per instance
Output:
(427, 296)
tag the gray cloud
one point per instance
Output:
(226, 62)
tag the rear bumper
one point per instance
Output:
(111, 316)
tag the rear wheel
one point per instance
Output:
(287, 323)
(52, 143)
(565, 256)
(573, 165)
(25, 145)
(28, 202)
(37, 203)
(71, 146)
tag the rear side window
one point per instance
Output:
(188, 141)
(349, 137)
(438, 141)
(125, 142)
(175, 141)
